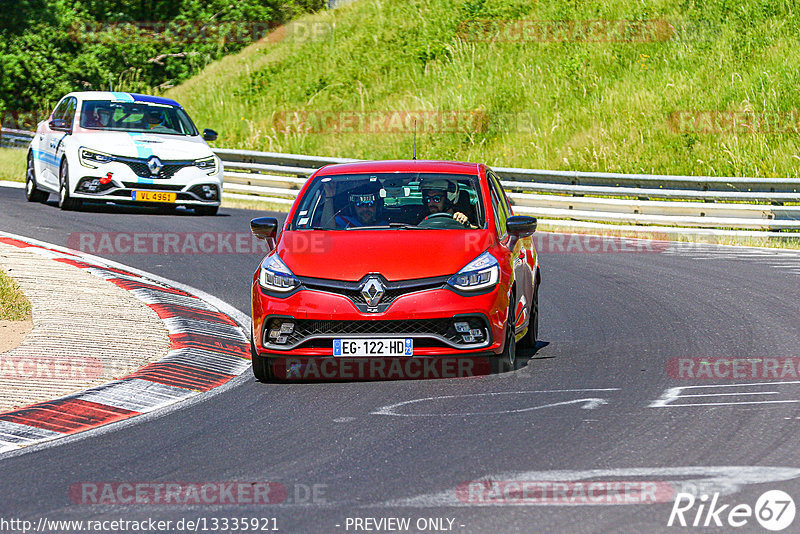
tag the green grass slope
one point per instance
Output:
(546, 103)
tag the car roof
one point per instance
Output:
(113, 96)
(388, 166)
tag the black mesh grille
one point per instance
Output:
(139, 167)
(167, 171)
(154, 187)
(430, 328)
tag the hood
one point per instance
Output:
(144, 145)
(349, 255)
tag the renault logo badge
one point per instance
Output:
(155, 165)
(373, 291)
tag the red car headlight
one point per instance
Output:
(276, 276)
(480, 273)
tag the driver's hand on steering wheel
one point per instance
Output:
(461, 218)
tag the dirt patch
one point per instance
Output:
(12, 333)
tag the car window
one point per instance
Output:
(136, 117)
(69, 111)
(386, 200)
(499, 204)
(58, 113)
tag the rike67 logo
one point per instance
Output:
(774, 510)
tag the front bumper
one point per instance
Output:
(427, 317)
(190, 184)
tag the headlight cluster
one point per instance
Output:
(207, 164)
(276, 276)
(480, 273)
(90, 158)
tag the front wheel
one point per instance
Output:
(533, 325)
(508, 360)
(65, 202)
(32, 194)
(262, 369)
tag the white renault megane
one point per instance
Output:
(123, 148)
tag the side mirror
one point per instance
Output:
(209, 135)
(60, 125)
(519, 227)
(264, 227)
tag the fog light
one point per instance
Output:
(281, 340)
(287, 328)
(467, 338)
(462, 328)
(476, 332)
(274, 334)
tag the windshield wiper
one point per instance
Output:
(405, 226)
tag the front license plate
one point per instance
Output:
(153, 196)
(373, 347)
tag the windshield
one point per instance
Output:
(136, 117)
(391, 200)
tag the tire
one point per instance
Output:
(65, 202)
(533, 325)
(508, 361)
(262, 369)
(206, 210)
(32, 193)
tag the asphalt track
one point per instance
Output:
(609, 325)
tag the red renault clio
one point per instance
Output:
(407, 260)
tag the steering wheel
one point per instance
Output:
(438, 218)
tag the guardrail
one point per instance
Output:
(14, 138)
(633, 199)
(686, 201)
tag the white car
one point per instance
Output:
(123, 148)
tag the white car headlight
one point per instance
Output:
(276, 276)
(480, 273)
(207, 164)
(90, 158)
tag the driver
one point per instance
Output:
(155, 118)
(99, 118)
(366, 206)
(440, 196)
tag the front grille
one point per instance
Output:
(153, 187)
(139, 167)
(435, 332)
(392, 291)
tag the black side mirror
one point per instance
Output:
(209, 135)
(60, 125)
(519, 227)
(264, 227)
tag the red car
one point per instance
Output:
(395, 259)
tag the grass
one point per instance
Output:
(13, 304)
(12, 164)
(590, 106)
